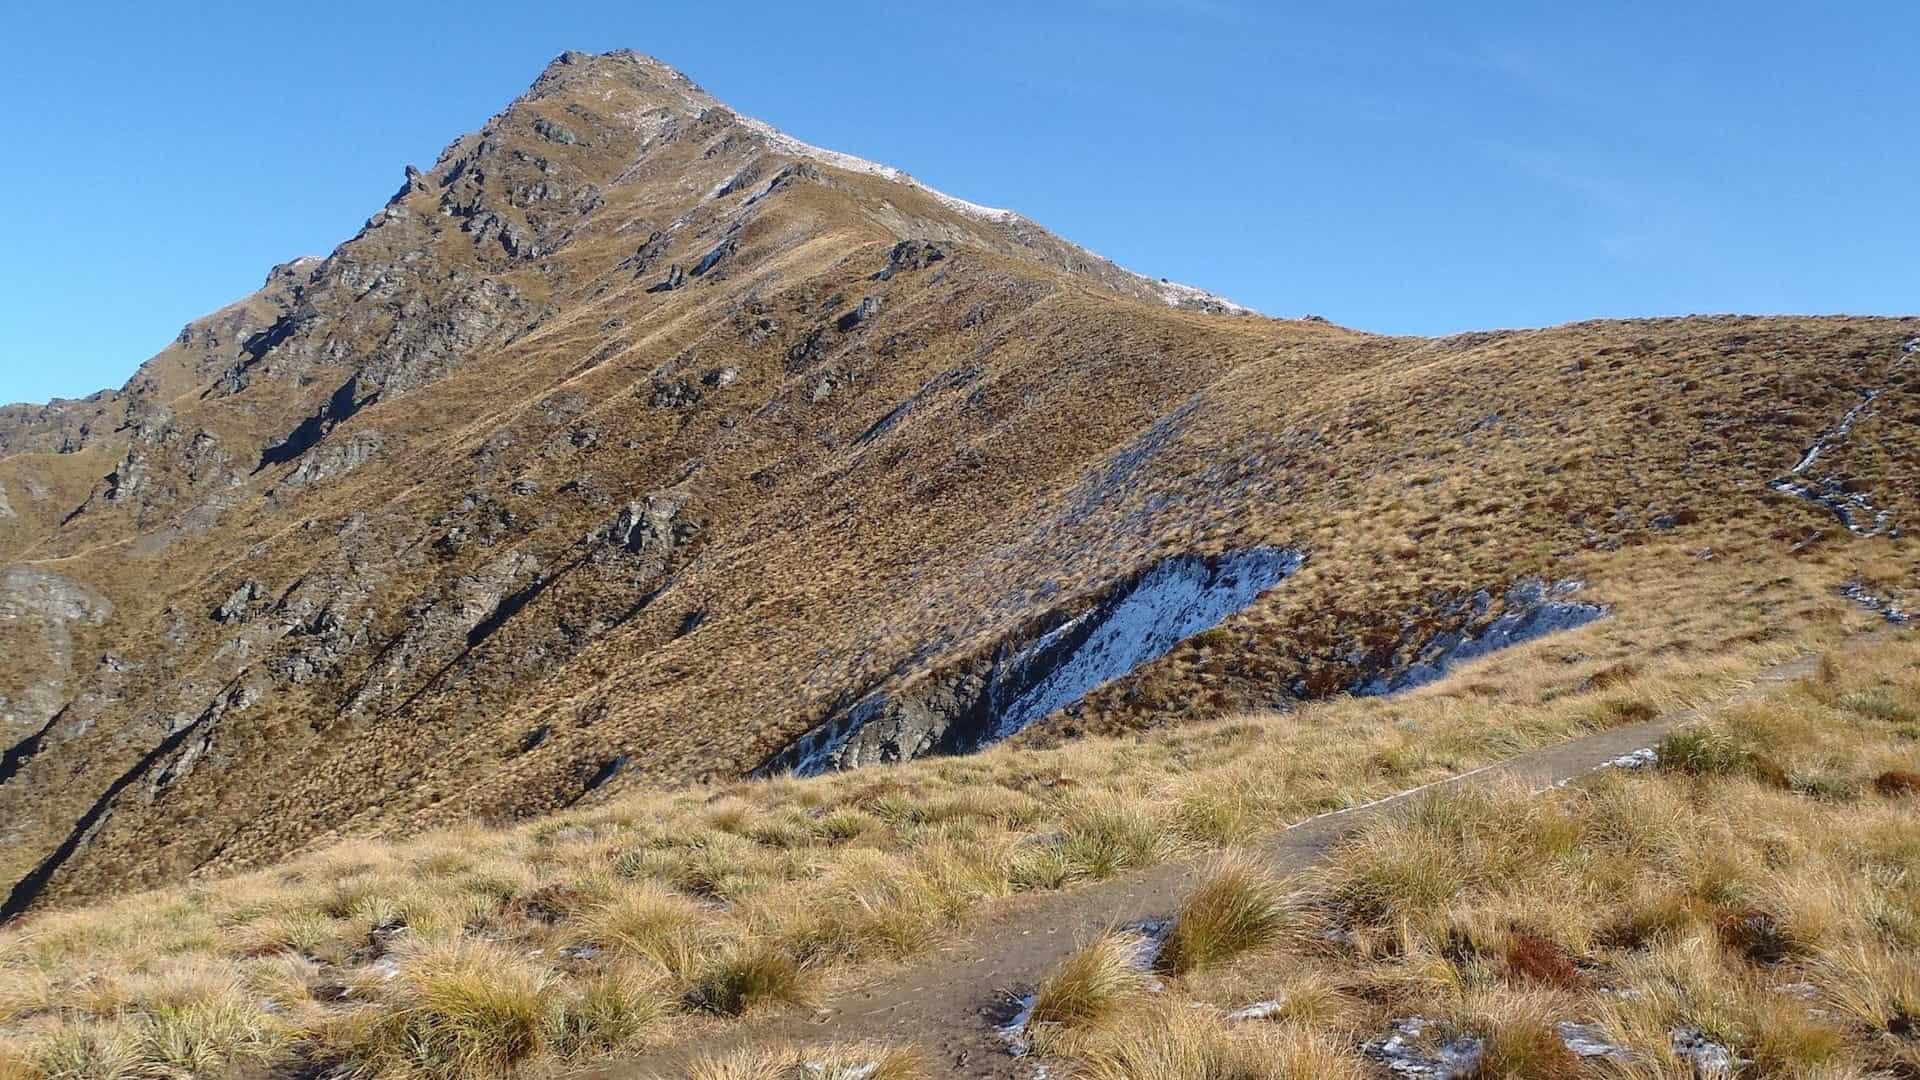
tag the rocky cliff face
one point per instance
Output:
(633, 439)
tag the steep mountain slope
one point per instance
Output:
(633, 441)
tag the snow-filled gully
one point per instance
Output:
(1852, 508)
(983, 701)
(980, 701)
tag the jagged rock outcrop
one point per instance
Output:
(40, 614)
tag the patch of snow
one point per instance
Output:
(1708, 1058)
(1642, 758)
(1259, 1010)
(1149, 939)
(1589, 1041)
(1177, 599)
(1178, 295)
(1172, 293)
(818, 752)
(1838, 433)
(1014, 1032)
(1852, 508)
(1533, 610)
(817, 1070)
(1408, 1051)
(1883, 606)
(787, 144)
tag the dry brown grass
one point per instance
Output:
(1779, 921)
(706, 903)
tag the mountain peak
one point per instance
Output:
(660, 83)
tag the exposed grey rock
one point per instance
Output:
(651, 525)
(911, 255)
(721, 377)
(239, 604)
(53, 606)
(553, 132)
(1709, 1059)
(6, 508)
(676, 277)
(129, 478)
(863, 311)
(674, 394)
(207, 463)
(713, 258)
(1415, 1048)
(1590, 1041)
(28, 591)
(336, 459)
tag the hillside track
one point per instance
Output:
(951, 1001)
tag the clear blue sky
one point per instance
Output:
(1398, 167)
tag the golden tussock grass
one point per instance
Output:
(712, 902)
(1779, 919)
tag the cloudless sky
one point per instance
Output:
(1412, 167)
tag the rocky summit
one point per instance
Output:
(635, 443)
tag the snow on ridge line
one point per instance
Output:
(788, 144)
(1173, 294)
(1176, 294)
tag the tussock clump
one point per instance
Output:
(1237, 909)
(1705, 750)
(1097, 981)
(1531, 958)
(1623, 712)
(858, 1061)
(1175, 1043)
(747, 976)
(654, 925)
(616, 1009)
(1107, 835)
(460, 1010)
(1897, 783)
